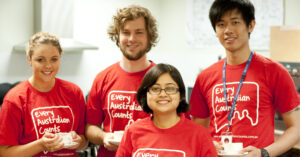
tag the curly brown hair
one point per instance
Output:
(42, 38)
(129, 13)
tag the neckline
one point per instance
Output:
(134, 73)
(39, 92)
(171, 129)
(239, 66)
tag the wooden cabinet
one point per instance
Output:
(285, 43)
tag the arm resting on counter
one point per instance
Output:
(290, 136)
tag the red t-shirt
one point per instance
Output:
(266, 87)
(27, 114)
(185, 139)
(112, 101)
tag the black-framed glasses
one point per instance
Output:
(168, 90)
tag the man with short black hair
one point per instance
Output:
(239, 94)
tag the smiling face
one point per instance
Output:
(133, 39)
(45, 61)
(164, 103)
(232, 31)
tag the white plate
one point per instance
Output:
(70, 145)
(114, 141)
(229, 155)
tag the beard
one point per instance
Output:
(131, 57)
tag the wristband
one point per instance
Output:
(264, 153)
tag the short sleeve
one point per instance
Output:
(285, 95)
(82, 111)
(208, 148)
(199, 107)
(125, 147)
(11, 126)
(94, 113)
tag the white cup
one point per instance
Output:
(118, 135)
(232, 148)
(67, 138)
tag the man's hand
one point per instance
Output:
(252, 151)
(107, 144)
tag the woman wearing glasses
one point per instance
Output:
(167, 132)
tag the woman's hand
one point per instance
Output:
(218, 146)
(107, 144)
(77, 139)
(51, 142)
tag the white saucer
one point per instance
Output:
(70, 145)
(114, 141)
(223, 154)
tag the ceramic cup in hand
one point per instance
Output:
(67, 139)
